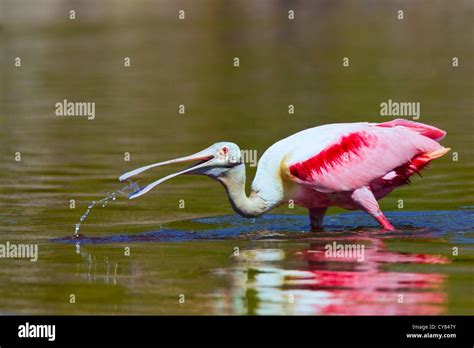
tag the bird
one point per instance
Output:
(346, 165)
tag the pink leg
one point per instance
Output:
(316, 216)
(365, 199)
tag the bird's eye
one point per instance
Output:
(224, 150)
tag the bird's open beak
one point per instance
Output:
(204, 159)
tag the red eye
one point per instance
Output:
(225, 150)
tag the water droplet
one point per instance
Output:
(104, 201)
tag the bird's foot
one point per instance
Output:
(317, 228)
(316, 217)
(386, 225)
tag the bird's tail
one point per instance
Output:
(420, 128)
(417, 163)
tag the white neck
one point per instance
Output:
(234, 182)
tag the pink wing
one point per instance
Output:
(357, 158)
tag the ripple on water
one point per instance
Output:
(453, 224)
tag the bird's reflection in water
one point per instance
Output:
(94, 269)
(315, 282)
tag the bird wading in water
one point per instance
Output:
(348, 165)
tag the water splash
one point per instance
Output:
(129, 188)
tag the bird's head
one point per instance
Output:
(215, 161)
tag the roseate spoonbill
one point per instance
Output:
(349, 165)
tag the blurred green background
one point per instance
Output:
(190, 62)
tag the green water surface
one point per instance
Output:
(190, 62)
